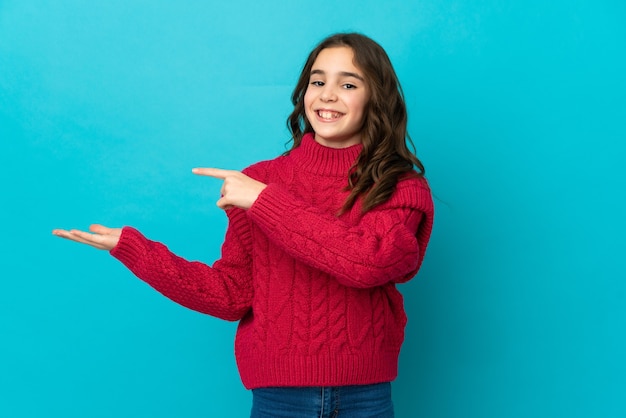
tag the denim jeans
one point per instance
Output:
(363, 401)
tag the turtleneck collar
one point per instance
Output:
(319, 159)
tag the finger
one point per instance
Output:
(224, 204)
(87, 237)
(73, 235)
(62, 233)
(103, 230)
(213, 172)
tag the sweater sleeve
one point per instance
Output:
(223, 290)
(386, 245)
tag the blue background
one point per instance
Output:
(518, 111)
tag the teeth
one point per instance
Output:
(325, 114)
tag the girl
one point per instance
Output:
(317, 240)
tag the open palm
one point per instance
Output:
(100, 236)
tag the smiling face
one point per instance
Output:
(336, 98)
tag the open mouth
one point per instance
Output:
(328, 115)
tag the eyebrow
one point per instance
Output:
(341, 73)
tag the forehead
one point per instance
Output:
(336, 59)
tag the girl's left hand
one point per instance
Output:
(238, 190)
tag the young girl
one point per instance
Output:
(317, 240)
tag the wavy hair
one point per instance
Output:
(386, 155)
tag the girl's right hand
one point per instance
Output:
(100, 237)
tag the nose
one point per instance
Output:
(328, 94)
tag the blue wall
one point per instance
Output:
(518, 110)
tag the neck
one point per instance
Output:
(321, 159)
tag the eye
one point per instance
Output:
(349, 86)
(317, 83)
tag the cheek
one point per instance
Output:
(359, 105)
(308, 100)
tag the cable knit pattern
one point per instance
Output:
(315, 292)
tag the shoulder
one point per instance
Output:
(412, 191)
(413, 182)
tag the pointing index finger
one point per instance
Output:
(217, 173)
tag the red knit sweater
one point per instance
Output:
(315, 293)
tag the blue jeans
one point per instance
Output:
(363, 401)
